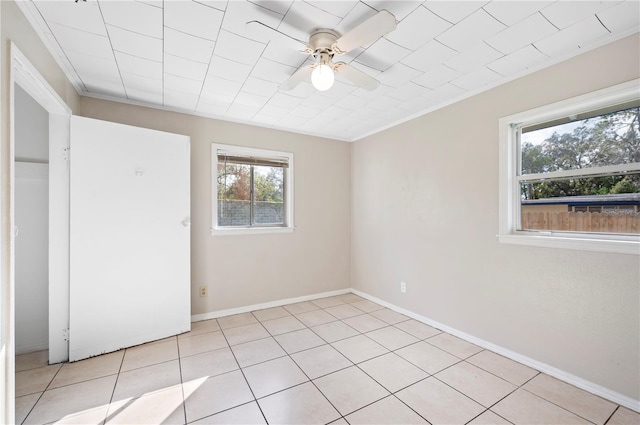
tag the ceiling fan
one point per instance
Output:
(324, 44)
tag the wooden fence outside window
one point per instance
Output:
(581, 222)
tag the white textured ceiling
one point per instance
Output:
(199, 57)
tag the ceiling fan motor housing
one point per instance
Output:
(322, 40)
(324, 44)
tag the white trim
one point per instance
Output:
(32, 349)
(21, 72)
(562, 375)
(231, 231)
(620, 93)
(582, 244)
(270, 304)
(581, 172)
(7, 341)
(508, 177)
(59, 225)
(30, 80)
(288, 196)
(27, 76)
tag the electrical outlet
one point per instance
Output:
(203, 291)
(403, 287)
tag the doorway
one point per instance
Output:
(31, 158)
(55, 195)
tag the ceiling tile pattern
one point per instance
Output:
(199, 57)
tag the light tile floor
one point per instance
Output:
(334, 360)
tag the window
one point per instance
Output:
(570, 173)
(253, 190)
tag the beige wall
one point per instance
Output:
(425, 210)
(245, 270)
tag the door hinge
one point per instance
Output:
(65, 334)
(66, 153)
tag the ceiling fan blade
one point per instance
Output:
(265, 31)
(356, 76)
(370, 30)
(300, 75)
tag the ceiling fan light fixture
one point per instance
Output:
(325, 43)
(322, 77)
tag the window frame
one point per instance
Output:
(288, 191)
(509, 187)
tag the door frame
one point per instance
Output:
(23, 73)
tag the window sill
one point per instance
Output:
(225, 231)
(630, 246)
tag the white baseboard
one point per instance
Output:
(562, 375)
(31, 349)
(254, 307)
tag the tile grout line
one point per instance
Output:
(459, 391)
(557, 405)
(402, 401)
(356, 364)
(41, 394)
(290, 355)
(498, 376)
(485, 408)
(391, 393)
(518, 387)
(490, 411)
(222, 411)
(331, 342)
(611, 416)
(224, 373)
(308, 378)
(429, 375)
(115, 384)
(184, 401)
(121, 364)
(245, 377)
(120, 371)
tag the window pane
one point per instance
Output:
(607, 204)
(234, 194)
(609, 139)
(269, 195)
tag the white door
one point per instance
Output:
(129, 237)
